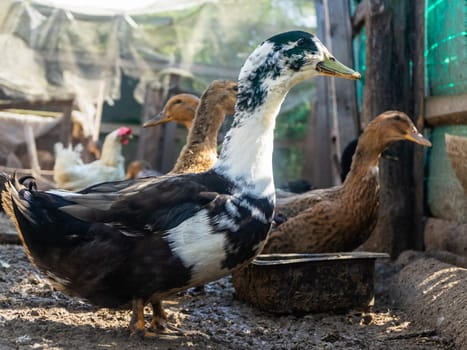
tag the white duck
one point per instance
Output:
(141, 240)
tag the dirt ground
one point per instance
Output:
(34, 316)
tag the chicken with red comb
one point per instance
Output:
(71, 173)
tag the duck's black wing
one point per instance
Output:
(159, 203)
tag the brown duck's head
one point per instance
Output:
(221, 93)
(392, 126)
(179, 108)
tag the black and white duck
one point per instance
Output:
(130, 242)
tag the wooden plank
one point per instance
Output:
(388, 86)
(150, 138)
(416, 238)
(99, 108)
(289, 143)
(109, 127)
(358, 18)
(26, 171)
(65, 132)
(64, 105)
(345, 127)
(317, 162)
(442, 110)
(376, 96)
(158, 145)
(26, 104)
(345, 90)
(37, 112)
(169, 154)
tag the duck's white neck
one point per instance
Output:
(246, 156)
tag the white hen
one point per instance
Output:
(70, 173)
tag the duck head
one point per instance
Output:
(392, 126)
(222, 93)
(303, 52)
(179, 108)
(281, 62)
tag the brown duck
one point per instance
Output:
(179, 108)
(200, 151)
(341, 218)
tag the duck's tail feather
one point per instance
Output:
(3, 181)
(6, 184)
(14, 193)
(17, 201)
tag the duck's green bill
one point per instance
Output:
(332, 67)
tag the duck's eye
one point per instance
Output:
(302, 42)
(307, 44)
(397, 117)
(177, 102)
(235, 88)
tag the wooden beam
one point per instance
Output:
(379, 67)
(64, 105)
(343, 97)
(388, 85)
(334, 121)
(416, 238)
(317, 160)
(109, 127)
(169, 154)
(32, 104)
(358, 18)
(65, 132)
(158, 145)
(150, 138)
(442, 110)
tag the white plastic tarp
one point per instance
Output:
(56, 47)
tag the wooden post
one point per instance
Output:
(99, 108)
(333, 122)
(169, 154)
(157, 145)
(343, 98)
(149, 141)
(65, 131)
(388, 86)
(317, 161)
(416, 239)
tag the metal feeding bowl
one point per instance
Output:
(307, 283)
